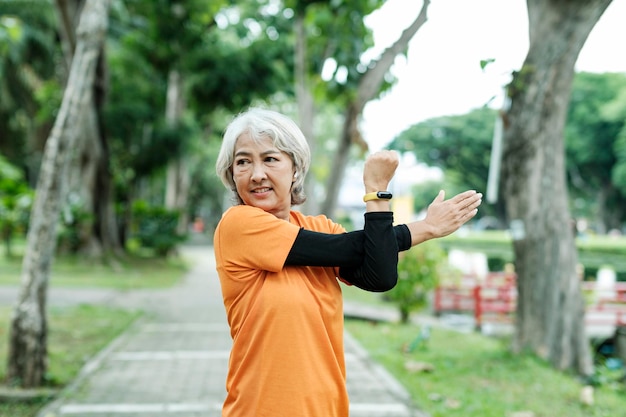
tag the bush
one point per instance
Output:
(418, 271)
(496, 264)
(15, 203)
(155, 227)
(75, 225)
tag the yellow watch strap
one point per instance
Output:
(378, 195)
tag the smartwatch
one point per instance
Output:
(379, 195)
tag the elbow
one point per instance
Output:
(387, 283)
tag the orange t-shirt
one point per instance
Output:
(287, 357)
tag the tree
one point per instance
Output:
(459, 145)
(27, 359)
(89, 170)
(369, 87)
(550, 309)
(596, 118)
(27, 84)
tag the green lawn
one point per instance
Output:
(475, 376)
(593, 251)
(78, 333)
(127, 274)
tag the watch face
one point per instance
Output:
(385, 195)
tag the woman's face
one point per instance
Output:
(263, 175)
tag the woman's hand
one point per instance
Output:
(380, 168)
(444, 217)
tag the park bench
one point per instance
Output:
(493, 299)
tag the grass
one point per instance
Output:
(476, 376)
(594, 251)
(76, 334)
(472, 375)
(127, 274)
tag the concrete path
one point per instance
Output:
(173, 362)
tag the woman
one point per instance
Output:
(279, 269)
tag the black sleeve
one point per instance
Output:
(367, 258)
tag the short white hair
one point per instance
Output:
(285, 135)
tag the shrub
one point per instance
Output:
(418, 271)
(15, 203)
(155, 227)
(74, 226)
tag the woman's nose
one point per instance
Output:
(258, 172)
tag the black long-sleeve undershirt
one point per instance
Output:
(366, 258)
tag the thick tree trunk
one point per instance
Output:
(368, 89)
(27, 359)
(89, 172)
(550, 312)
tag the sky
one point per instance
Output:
(441, 74)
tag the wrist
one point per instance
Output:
(377, 195)
(421, 231)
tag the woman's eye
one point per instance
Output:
(271, 159)
(241, 162)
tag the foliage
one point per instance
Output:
(15, 202)
(594, 145)
(27, 60)
(460, 145)
(75, 222)
(155, 227)
(453, 143)
(337, 35)
(424, 193)
(418, 271)
(595, 140)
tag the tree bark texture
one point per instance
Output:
(27, 359)
(368, 89)
(89, 173)
(550, 311)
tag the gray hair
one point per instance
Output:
(286, 137)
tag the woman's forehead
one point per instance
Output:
(248, 140)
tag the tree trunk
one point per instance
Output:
(106, 227)
(178, 176)
(27, 359)
(89, 174)
(368, 89)
(550, 311)
(304, 98)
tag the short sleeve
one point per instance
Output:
(249, 237)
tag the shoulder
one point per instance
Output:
(242, 211)
(246, 220)
(319, 223)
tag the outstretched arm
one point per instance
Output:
(444, 217)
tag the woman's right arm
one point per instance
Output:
(340, 250)
(346, 250)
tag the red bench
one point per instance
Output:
(494, 300)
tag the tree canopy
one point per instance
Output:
(594, 142)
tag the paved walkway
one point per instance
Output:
(173, 362)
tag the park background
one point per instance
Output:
(144, 128)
